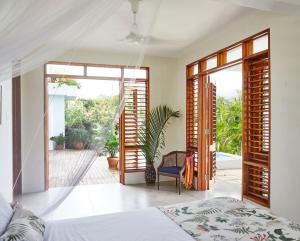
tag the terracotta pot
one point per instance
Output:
(113, 163)
(78, 145)
(59, 147)
(150, 175)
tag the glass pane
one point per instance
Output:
(195, 69)
(65, 69)
(234, 54)
(104, 72)
(211, 63)
(135, 73)
(260, 44)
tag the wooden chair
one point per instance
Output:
(172, 165)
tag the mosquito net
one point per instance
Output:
(34, 32)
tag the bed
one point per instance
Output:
(214, 219)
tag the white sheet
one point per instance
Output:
(144, 225)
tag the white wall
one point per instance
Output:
(32, 101)
(161, 74)
(56, 117)
(285, 129)
(6, 175)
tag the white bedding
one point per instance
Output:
(144, 225)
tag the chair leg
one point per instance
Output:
(179, 185)
(157, 181)
(176, 182)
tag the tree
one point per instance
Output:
(229, 124)
(97, 116)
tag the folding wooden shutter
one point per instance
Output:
(136, 111)
(256, 134)
(212, 118)
(192, 117)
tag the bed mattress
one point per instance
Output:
(218, 219)
(144, 225)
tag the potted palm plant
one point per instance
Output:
(112, 147)
(151, 137)
(59, 141)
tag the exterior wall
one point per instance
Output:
(285, 85)
(56, 117)
(56, 104)
(6, 157)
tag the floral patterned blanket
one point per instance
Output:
(222, 219)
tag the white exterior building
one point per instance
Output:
(57, 96)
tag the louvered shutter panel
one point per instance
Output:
(135, 113)
(192, 118)
(212, 129)
(134, 116)
(256, 143)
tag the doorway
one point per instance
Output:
(226, 101)
(82, 118)
(254, 55)
(95, 107)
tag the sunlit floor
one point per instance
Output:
(88, 200)
(61, 164)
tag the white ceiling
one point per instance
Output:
(176, 25)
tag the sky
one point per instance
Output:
(90, 89)
(228, 81)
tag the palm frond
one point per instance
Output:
(151, 137)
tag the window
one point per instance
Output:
(260, 44)
(104, 72)
(234, 54)
(211, 63)
(135, 73)
(65, 69)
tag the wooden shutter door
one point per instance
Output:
(212, 126)
(256, 131)
(136, 111)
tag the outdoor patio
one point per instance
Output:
(61, 162)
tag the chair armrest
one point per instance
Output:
(161, 163)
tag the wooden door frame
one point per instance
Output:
(85, 76)
(16, 136)
(202, 75)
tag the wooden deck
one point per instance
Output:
(63, 163)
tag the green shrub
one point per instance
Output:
(78, 135)
(59, 140)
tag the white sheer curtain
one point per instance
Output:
(33, 32)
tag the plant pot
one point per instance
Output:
(59, 147)
(113, 163)
(78, 145)
(150, 175)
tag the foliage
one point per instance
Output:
(112, 145)
(59, 140)
(78, 135)
(229, 124)
(96, 116)
(68, 82)
(152, 139)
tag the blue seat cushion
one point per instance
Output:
(170, 170)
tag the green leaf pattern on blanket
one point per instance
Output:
(230, 219)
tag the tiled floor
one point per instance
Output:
(87, 200)
(63, 163)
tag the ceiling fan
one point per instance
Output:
(134, 35)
